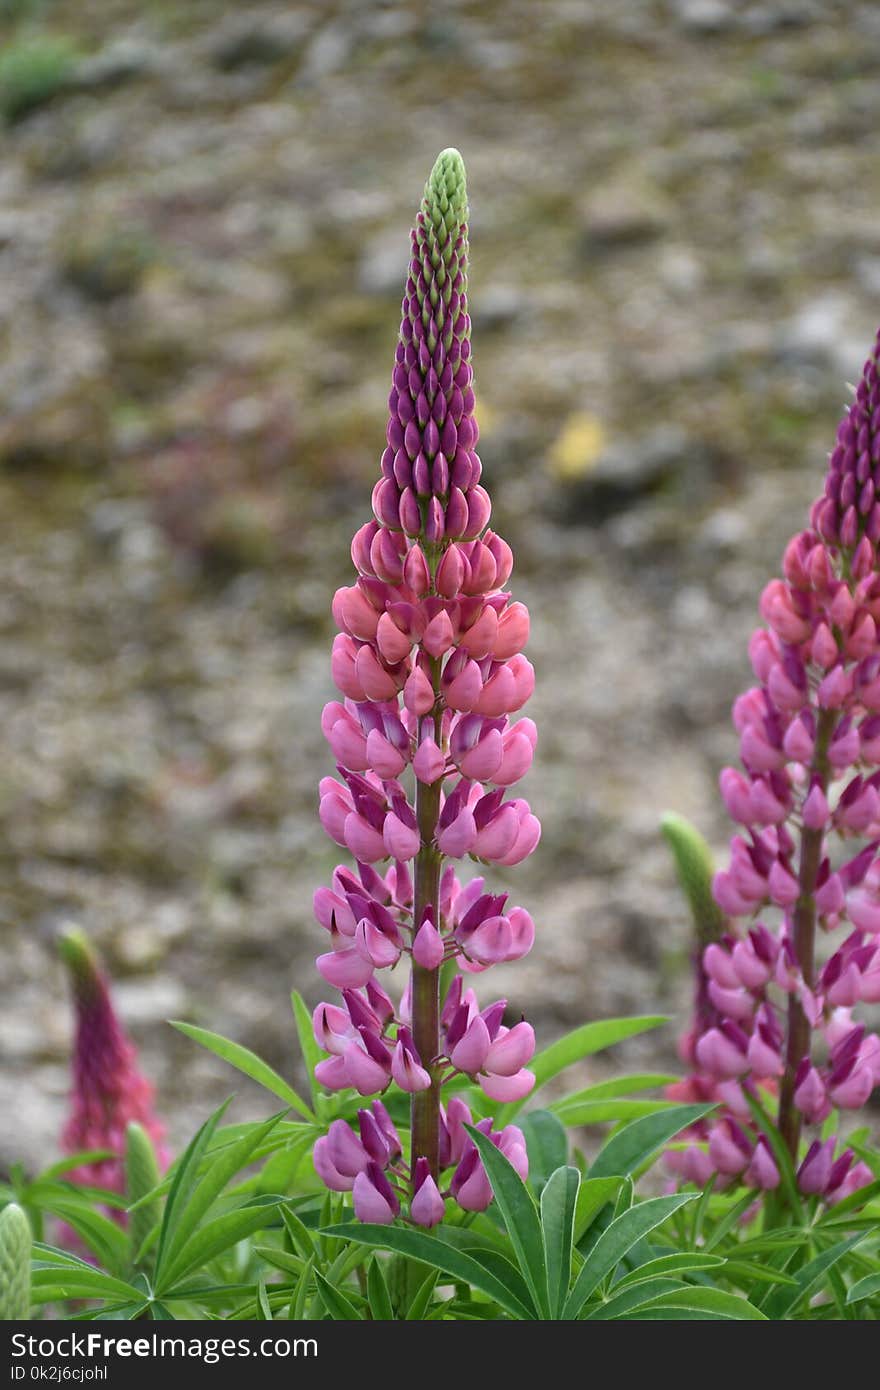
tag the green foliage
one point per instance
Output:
(32, 72)
(240, 1228)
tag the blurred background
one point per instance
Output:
(204, 216)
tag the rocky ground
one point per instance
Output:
(203, 230)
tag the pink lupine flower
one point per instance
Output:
(430, 669)
(109, 1090)
(809, 742)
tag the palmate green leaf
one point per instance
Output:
(422, 1297)
(503, 1268)
(280, 1259)
(546, 1144)
(183, 1183)
(335, 1301)
(626, 1151)
(598, 1112)
(300, 1300)
(558, 1205)
(517, 1206)
(593, 1195)
(378, 1296)
(247, 1062)
(694, 1302)
(853, 1202)
(783, 1302)
(191, 1202)
(102, 1236)
(279, 1173)
(582, 1042)
(311, 1052)
(79, 1281)
(617, 1086)
(750, 1272)
(436, 1254)
(728, 1221)
(623, 1233)
(213, 1238)
(264, 1308)
(663, 1265)
(300, 1236)
(85, 1158)
(626, 1300)
(865, 1288)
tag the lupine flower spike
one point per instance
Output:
(109, 1090)
(429, 665)
(809, 735)
(15, 1264)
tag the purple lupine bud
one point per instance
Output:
(762, 1170)
(512, 1143)
(386, 1125)
(428, 948)
(469, 1054)
(367, 1064)
(729, 1149)
(426, 1207)
(810, 1095)
(815, 1172)
(379, 1002)
(329, 1175)
(373, 1139)
(374, 1198)
(406, 1066)
(470, 1186)
(457, 1116)
(723, 1051)
(345, 1151)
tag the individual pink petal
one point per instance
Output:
(400, 841)
(505, 1088)
(511, 1050)
(345, 969)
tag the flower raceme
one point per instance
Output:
(807, 793)
(430, 667)
(109, 1090)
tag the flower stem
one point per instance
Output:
(426, 983)
(804, 941)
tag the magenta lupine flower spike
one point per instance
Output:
(109, 1090)
(809, 735)
(429, 665)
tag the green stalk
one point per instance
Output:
(425, 1118)
(798, 1040)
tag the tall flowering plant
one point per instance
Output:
(429, 663)
(781, 986)
(109, 1093)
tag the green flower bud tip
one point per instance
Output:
(695, 870)
(79, 956)
(445, 200)
(15, 1264)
